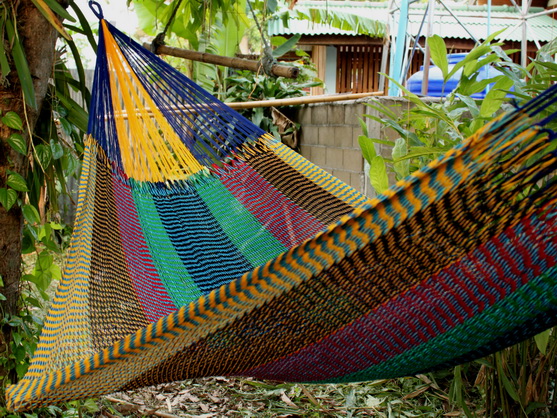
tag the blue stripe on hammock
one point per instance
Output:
(208, 254)
(101, 113)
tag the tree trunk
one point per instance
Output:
(39, 39)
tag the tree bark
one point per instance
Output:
(39, 39)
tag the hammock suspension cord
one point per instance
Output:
(159, 39)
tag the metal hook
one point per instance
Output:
(97, 9)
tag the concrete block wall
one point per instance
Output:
(329, 138)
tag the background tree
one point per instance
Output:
(41, 131)
(25, 35)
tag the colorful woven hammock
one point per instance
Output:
(203, 246)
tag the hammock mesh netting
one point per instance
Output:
(204, 247)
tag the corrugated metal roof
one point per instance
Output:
(304, 27)
(540, 28)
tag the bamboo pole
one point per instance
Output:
(293, 101)
(240, 63)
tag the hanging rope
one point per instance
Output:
(268, 60)
(159, 39)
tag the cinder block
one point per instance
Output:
(335, 114)
(305, 150)
(309, 135)
(353, 160)
(355, 134)
(326, 136)
(342, 175)
(390, 134)
(303, 115)
(319, 156)
(319, 115)
(357, 181)
(343, 136)
(374, 128)
(352, 113)
(334, 158)
(385, 150)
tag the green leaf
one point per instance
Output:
(495, 96)
(56, 226)
(57, 150)
(532, 406)
(402, 168)
(507, 384)
(4, 63)
(469, 86)
(28, 241)
(16, 338)
(21, 66)
(278, 40)
(55, 272)
(45, 260)
(85, 93)
(367, 147)
(33, 302)
(59, 10)
(363, 125)
(475, 65)
(76, 114)
(549, 65)
(17, 143)
(286, 46)
(21, 369)
(51, 17)
(542, 339)
(470, 104)
(44, 155)
(471, 56)
(2, 297)
(31, 214)
(84, 24)
(381, 108)
(493, 36)
(7, 197)
(422, 151)
(16, 182)
(12, 120)
(438, 51)
(378, 174)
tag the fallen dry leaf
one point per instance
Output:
(287, 400)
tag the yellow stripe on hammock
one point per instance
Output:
(151, 150)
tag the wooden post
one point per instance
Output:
(240, 63)
(319, 59)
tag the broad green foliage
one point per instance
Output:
(428, 128)
(214, 27)
(193, 19)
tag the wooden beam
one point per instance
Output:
(336, 40)
(240, 63)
